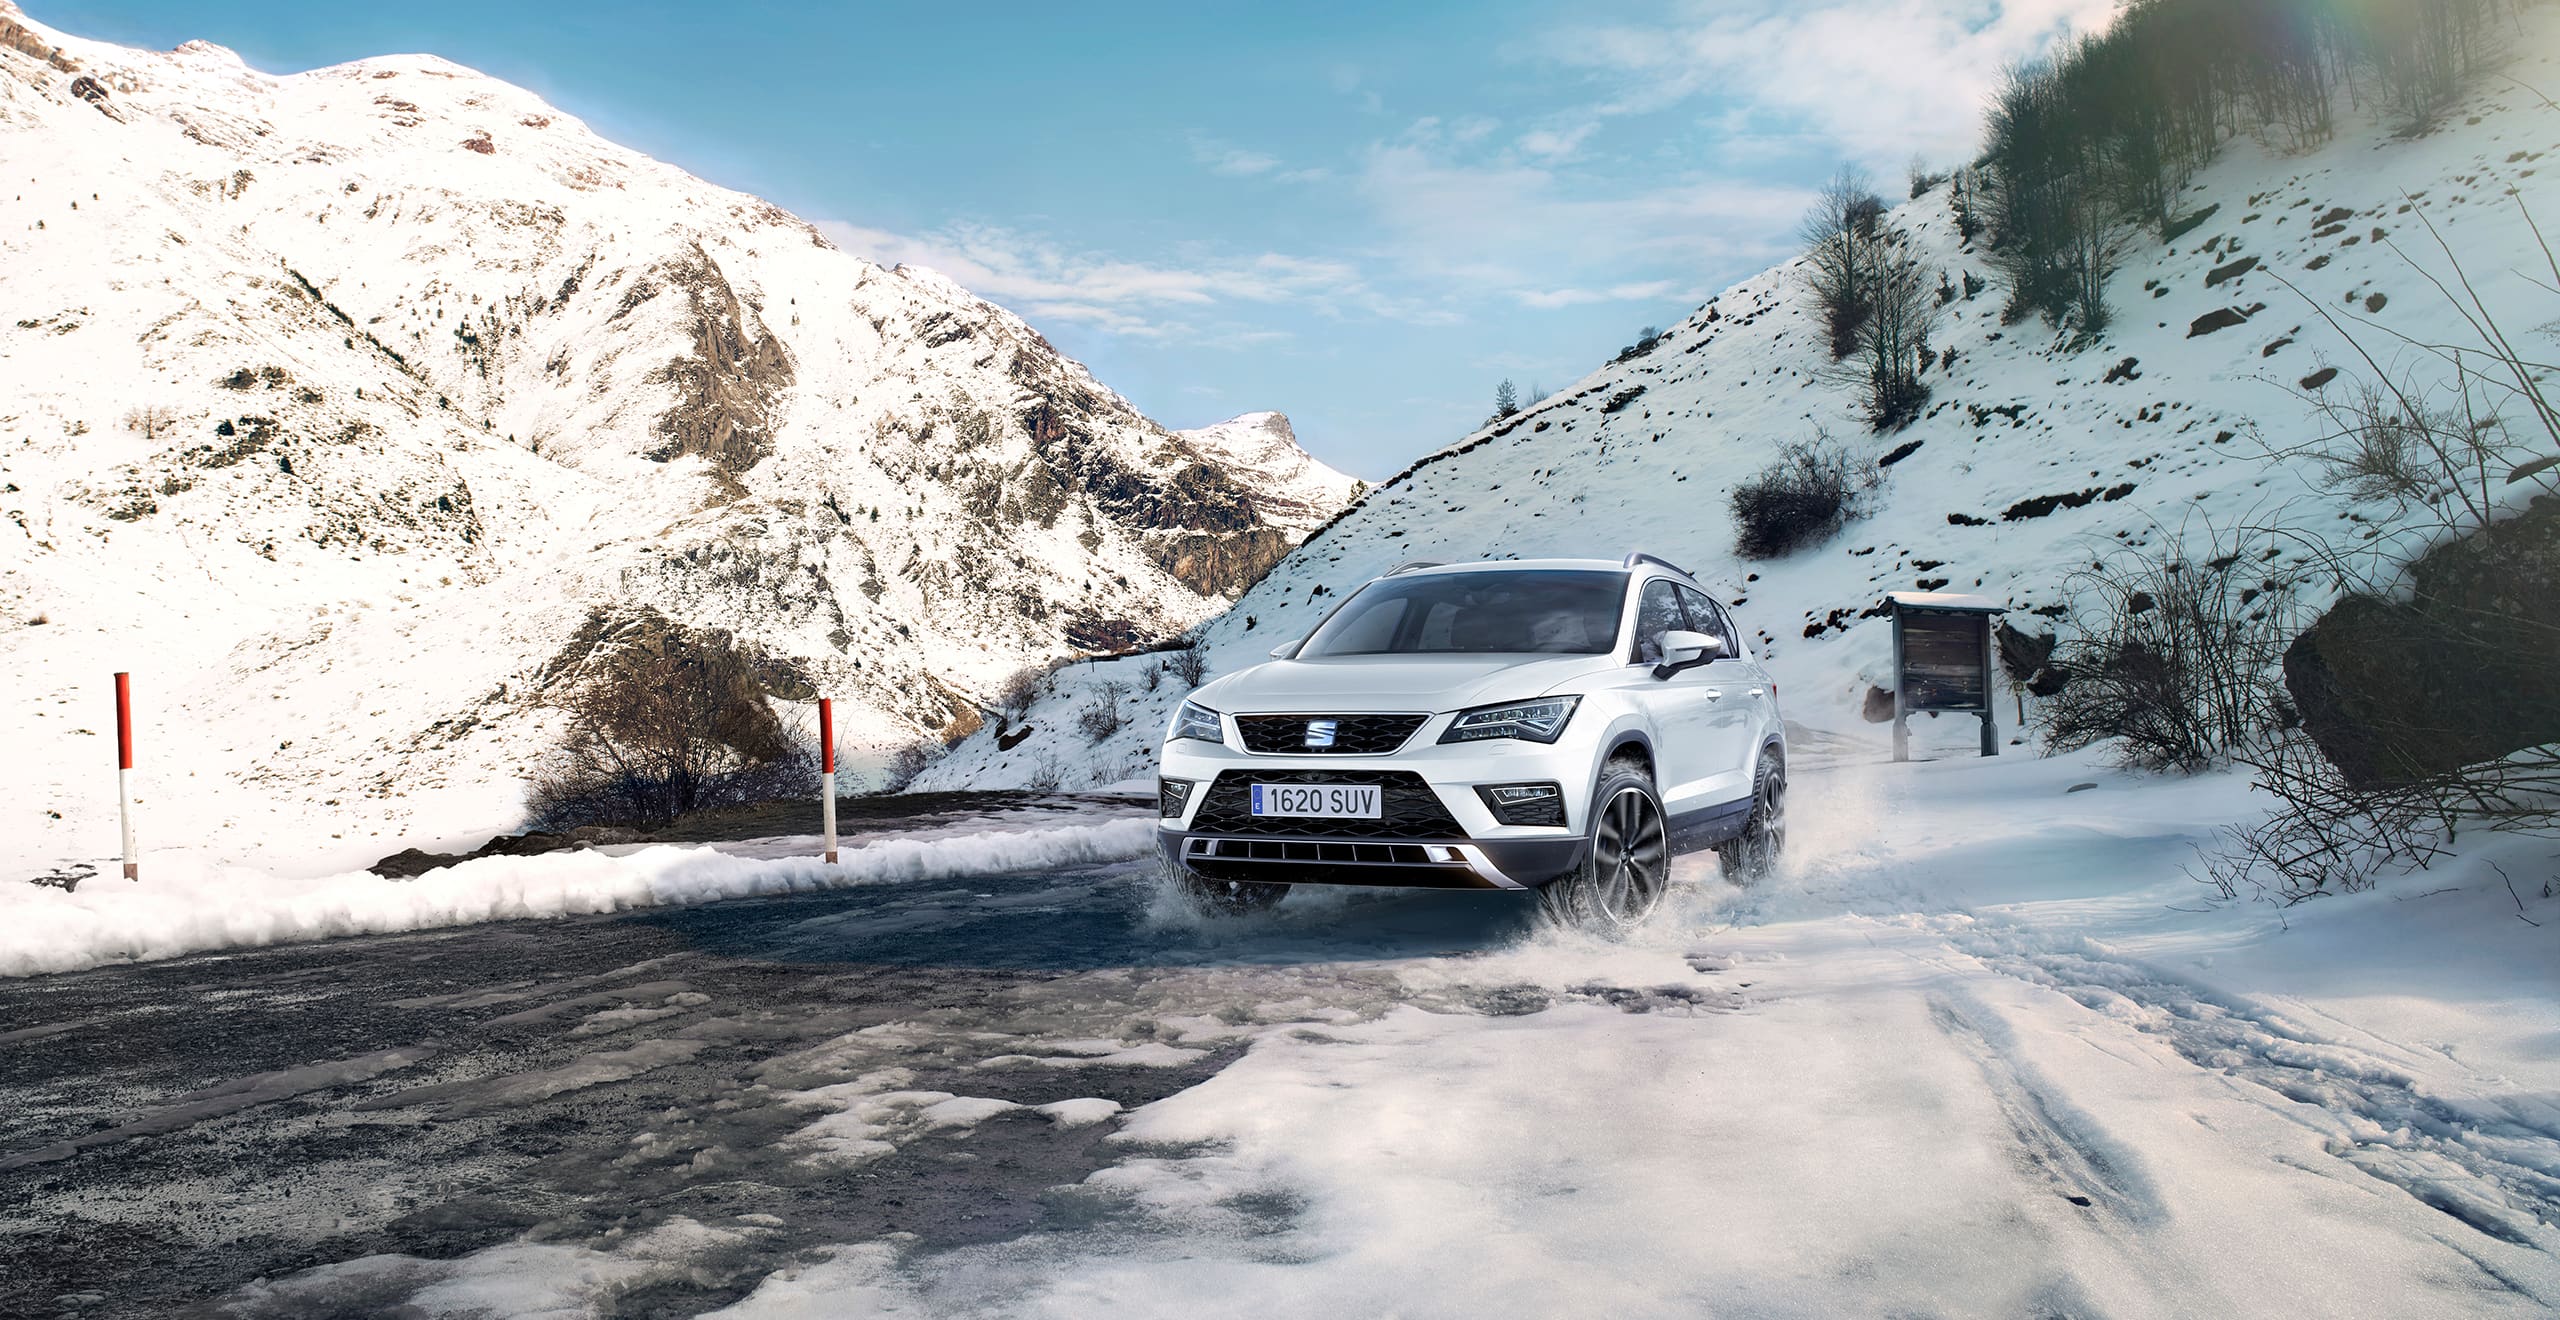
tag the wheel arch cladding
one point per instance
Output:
(1630, 743)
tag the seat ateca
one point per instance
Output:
(1562, 726)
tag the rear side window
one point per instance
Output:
(1708, 617)
(1657, 613)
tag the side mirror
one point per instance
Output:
(1687, 650)
(1284, 650)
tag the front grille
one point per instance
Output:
(1353, 735)
(1407, 808)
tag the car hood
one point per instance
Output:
(1395, 682)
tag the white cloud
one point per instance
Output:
(1226, 158)
(1553, 145)
(1638, 291)
(1881, 79)
(1512, 228)
(1043, 280)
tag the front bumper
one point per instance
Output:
(1439, 864)
(1435, 830)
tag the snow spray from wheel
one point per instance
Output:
(124, 770)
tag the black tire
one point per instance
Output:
(1753, 854)
(1225, 898)
(1623, 876)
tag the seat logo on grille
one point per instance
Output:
(1320, 732)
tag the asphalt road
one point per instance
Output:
(178, 1132)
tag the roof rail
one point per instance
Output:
(1640, 557)
(1414, 565)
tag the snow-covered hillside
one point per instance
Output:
(336, 401)
(2031, 462)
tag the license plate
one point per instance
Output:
(1350, 801)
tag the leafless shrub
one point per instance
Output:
(2177, 667)
(1101, 717)
(1813, 487)
(1015, 697)
(663, 720)
(907, 763)
(1189, 665)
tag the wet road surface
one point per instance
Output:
(178, 1131)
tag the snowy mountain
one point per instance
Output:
(1300, 493)
(337, 401)
(2032, 460)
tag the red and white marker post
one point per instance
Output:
(827, 758)
(124, 770)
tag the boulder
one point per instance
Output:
(2220, 318)
(2467, 669)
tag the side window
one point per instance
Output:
(1657, 613)
(1708, 617)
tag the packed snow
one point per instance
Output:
(183, 904)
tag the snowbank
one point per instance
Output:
(186, 906)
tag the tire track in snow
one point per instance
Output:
(2055, 1140)
(2490, 1162)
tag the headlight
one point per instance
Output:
(1537, 721)
(1196, 721)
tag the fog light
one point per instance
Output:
(1171, 796)
(1524, 804)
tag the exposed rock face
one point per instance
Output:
(19, 37)
(725, 390)
(1221, 563)
(2466, 670)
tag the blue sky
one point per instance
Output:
(1364, 215)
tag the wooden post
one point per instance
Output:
(1901, 726)
(827, 758)
(1990, 708)
(124, 771)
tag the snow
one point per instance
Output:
(184, 905)
(344, 580)
(2004, 1057)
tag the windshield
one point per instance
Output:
(1563, 611)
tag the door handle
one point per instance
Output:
(1715, 694)
(1754, 692)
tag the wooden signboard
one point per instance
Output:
(1942, 661)
(1943, 665)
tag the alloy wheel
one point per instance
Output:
(1631, 858)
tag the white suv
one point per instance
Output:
(1559, 725)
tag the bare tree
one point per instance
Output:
(1840, 237)
(1188, 665)
(1890, 346)
(150, 419)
